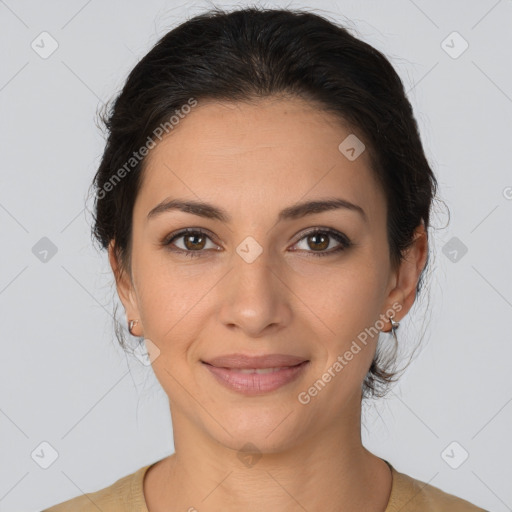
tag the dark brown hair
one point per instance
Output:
(254, 53)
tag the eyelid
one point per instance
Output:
(344, 242)
(182, 232)
(321, 229)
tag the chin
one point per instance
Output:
(271, 431)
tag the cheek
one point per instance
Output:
(173, 303)
(350, 306)
(165, 287)
(349, 303)
(345, 296)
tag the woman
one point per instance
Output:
(265, 201)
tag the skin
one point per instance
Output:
(253, 160)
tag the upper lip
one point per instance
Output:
(266, 361)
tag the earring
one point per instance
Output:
(394, 327)
(131, 324)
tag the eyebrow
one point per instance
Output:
(295, 211)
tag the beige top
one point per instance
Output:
(126, 495)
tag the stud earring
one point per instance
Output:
(131, 324)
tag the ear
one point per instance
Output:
(125, 289)
(415, 258)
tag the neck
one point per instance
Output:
(330, 470)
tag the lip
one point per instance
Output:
(233, 372)
(234, 361)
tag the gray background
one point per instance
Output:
(65, 381)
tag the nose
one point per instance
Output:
(255, 299)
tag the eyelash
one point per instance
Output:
(344, 241)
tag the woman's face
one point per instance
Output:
(257, 282)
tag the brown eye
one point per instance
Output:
(192, 242)
(319, 240)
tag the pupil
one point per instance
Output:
(192, 237)
(323, 245)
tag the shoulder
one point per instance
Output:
(413, 495)
(125, 494)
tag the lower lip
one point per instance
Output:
(256, 383)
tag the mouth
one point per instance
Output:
(255, 375)
(268, 361)
(260, 371)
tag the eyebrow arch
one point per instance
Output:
(295, 211)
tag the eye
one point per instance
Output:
(318, 239)
(194, 241)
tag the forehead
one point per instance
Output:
(270, 152)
